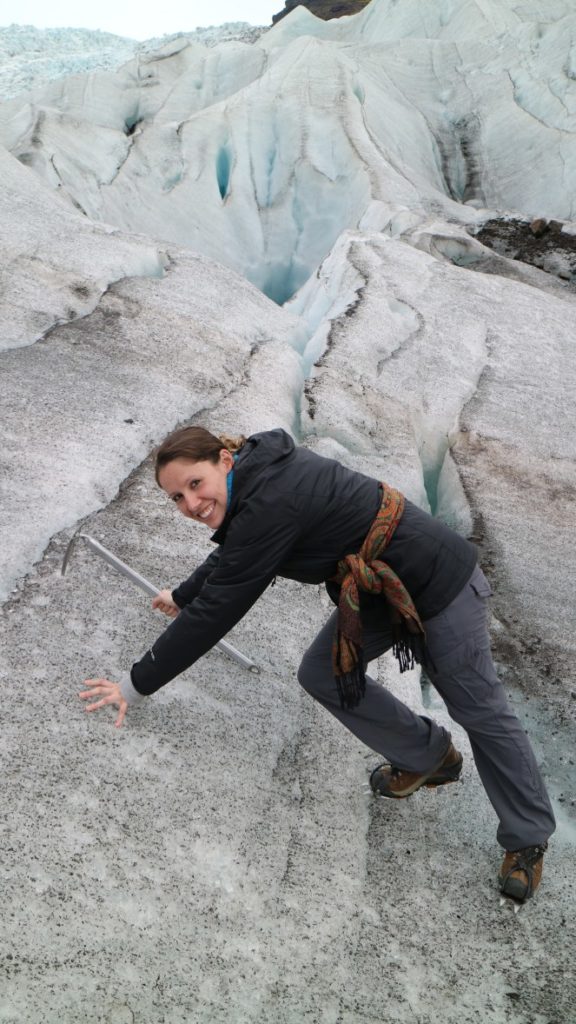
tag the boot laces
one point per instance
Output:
(525, 860)
(529, 856)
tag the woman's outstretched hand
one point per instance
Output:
(104, 692)
(164, 603)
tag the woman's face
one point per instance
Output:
(198, 489)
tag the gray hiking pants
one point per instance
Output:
(465, 677)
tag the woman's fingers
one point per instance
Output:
(168, 609)
(94, 683)
(121, 715)
(105, 692)
(97, 687)
(163, 602)
(98, 704)
(88, 694)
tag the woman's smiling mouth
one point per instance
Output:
(207, 512)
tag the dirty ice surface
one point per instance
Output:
(218, 859)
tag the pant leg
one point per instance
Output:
(382, 722)
(466, 678)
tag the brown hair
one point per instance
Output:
(195, 444)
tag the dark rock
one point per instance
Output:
(541, 243)
(539, 227)
(325, 9)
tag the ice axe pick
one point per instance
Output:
(144, 585)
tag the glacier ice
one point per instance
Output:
(30, 55)
(128, 337)
(219, 860)
(278, 158)
(56, 265)
(261, 154)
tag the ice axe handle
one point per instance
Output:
(151, 590)
(121, 566)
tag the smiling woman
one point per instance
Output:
(196, 471)
(199, 488)
(281, 510)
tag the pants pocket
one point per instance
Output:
(480, 584)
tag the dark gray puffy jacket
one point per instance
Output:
(295, 514)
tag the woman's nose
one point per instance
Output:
(191, 502)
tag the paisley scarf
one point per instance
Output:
(366, 571)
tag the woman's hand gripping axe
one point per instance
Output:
(144, 585)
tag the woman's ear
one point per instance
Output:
(227, 459)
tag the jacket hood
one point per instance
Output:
(263, 450)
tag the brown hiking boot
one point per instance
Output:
(521, 872)
(387, 780)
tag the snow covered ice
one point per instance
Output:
(259, 155)
(29, 55)
(278, 229)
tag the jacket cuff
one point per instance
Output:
(128, 690)
(179, 598)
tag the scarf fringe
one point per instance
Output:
(404, 654)
(410, 649)
(351, 687)
(366, 571)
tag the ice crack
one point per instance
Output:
(403, 312)
(530, 113)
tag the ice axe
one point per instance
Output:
(144, 585)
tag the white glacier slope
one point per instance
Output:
(84, 404)
(260, 155)
(458, 386)
(30, 55)
(55, 264)
(218, 861)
